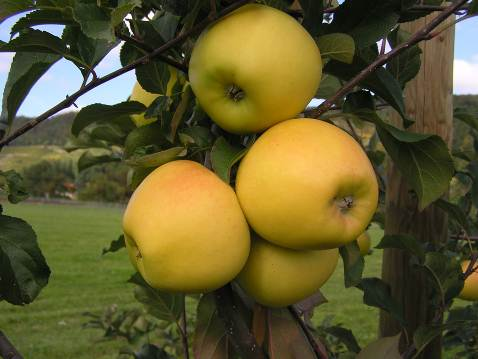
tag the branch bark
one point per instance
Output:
(381, 60)
(7, 350)
(70, 100)
(237, 329)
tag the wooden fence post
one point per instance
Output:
(428, 100)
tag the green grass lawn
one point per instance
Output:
(72, 238)
(82, 280)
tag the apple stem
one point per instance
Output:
(345, 203)
(235, 93)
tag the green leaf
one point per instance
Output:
(104, 113)
(124, 7)
(23, 267)
(424, 334)
(466, 116)
(35, 41)
(115, 245)
(42, 17)
(108, 132)
(12, 184)
(166, 26)
(224, 156)
(345, 336)
(94, 157)
(353, 264)
(197, 135)
(12, 7)
(405, 66)
(149, 135)
(445, 273)
(404, 242)
(154, 76)
(210, 337)
(455, 212)
(137, 175)
(367, 21)
(156, 159)
(329, 85)
(95, 22)
(423, 160)
(313, 15)
(25, 71)
(89, 51)
(164, 306)
(337, 46)
(151, 351)
(285, 338)
(358, 100)
(386, 347)
(376, 293)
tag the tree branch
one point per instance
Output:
(383, 59)
(7, 350)
(237, 329)
(101, 80)
(319, 349)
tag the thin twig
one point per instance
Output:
(383, 59)
(319, 349)
(471, 266)
(297, 13)
(101, 80)
(213, 8)
(183, 329)
(7, 350)
(140, 44)
(440, 31)
(460, 236)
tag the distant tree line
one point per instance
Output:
(107, 182)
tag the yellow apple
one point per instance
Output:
(184, 229)
(470, 290)
(277, 277)
(254, 68)
(307, 184)
(146, 98)
(364, 243)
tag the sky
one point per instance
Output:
(64, 78)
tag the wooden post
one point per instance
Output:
(428, 100)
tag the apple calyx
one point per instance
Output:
(345, 203)
(235, 93)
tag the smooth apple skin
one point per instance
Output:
(264, 52)
(470, 289)
(146, 98)
(364, 242)
(184, 229)
(306, 184)
(277, 277)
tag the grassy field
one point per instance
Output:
(72, 238)
(19, 157)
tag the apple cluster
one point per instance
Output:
(303, 189)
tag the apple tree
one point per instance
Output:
(168, 119)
